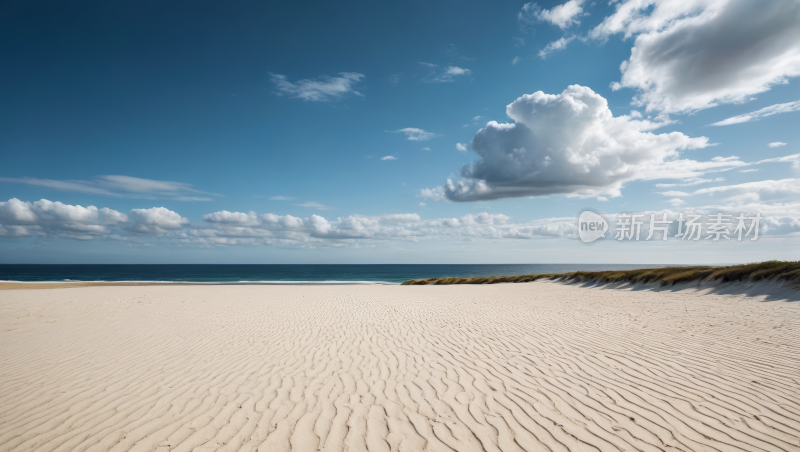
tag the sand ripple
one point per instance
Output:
(522, 367)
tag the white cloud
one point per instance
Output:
(280, 198)
(62, 185)
(515, 60)
(156, 220)
(461, 147)
(137, 184)
(316, 205)
(602, 198)
(430, 65)
(415, 134)
(690, 55)
(454, 70)
(236, 218)
(426, 149)
(45, 218)
(560, 44)
(750, 192)
(119, 186)
(758, 114)
(794, 159)
(571, 144)
(319, 231)
(777, 144)
(775, 200)
(390, 157)
(691, 181)
(323, 89)
(448, 74)
(562, 16)
(751, 170)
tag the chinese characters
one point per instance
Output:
(719, 226)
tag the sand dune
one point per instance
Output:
(517, 367)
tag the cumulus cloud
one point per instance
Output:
(691, 55)
(560, 44)
(156, 220)
(571, 144)
(119, 186)
(45, 218)
(391, 157)
(758, 114)
(777, 144)
(562, 16)
(322, 89)
(461, 147)
(237, 218)
(415, 134)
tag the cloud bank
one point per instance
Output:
(158, 225)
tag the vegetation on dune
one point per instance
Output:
(770, 270)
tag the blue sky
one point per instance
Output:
(362, 132)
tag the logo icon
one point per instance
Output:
(591, 226)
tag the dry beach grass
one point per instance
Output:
(779, 271)
(513, 367)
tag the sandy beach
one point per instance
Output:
(511, 367)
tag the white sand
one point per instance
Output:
(535, 367)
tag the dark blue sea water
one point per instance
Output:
(385, 273)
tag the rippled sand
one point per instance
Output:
(535, 367)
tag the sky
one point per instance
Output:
(394, 132)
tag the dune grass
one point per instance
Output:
(770, 270)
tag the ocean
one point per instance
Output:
(278, 273)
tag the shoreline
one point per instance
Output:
(29, 285)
